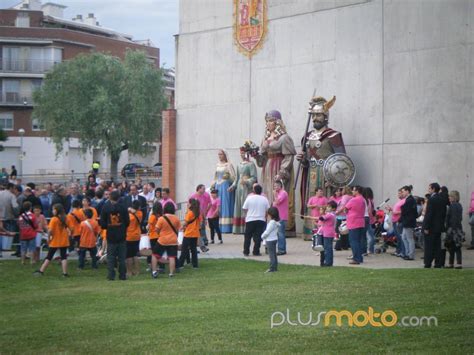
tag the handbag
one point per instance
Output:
(145, 246)
(471, 219)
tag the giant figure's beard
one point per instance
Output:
(319, 125)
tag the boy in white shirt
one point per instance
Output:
(255, 208)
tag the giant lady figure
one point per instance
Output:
(224, 176)
(276, 159)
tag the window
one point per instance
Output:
(36, 125)
(11, 88)
(11, 58)
(6, 121)
(22, 20)
(36, 84)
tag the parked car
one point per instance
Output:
(129, 170)
(158, 168)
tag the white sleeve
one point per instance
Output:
(271, 226)
(245, 206)
(268, 230)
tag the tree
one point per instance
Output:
(3, 138)
(108, 104)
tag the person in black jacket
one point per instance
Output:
(454, 233)
(433, 226)
(408, 220)
(114, 218)
(132, 196)
(60, 196)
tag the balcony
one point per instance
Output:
(26, 66)
(15, 99)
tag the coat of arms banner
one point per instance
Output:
(250, 25)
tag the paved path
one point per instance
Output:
(300, 252)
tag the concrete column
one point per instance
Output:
(168, 145)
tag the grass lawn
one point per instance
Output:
(226, 306)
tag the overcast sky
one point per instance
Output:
(156, 20)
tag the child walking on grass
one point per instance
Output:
(270, 237)
(58, 239)
(28, 225)
(89, 231)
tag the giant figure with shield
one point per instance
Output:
(325, 164)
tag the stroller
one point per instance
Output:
(384, 232)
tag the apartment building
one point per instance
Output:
(33, 38)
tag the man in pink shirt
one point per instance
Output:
(397, 227)
(281, 203)
(204, 203)
(356, 224)
(316, 202)
(165, 198)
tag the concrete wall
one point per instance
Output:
(402, 72)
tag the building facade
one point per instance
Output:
(402, 72)
(33, 38)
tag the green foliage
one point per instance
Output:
(3, 138)
(106, 103)
(225, 307)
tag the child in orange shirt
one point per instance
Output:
(86, 205)
(167, 243)
(58, 239)
(133, 239)
(89, 231)
(192, 222)
(74, 220)
(156, 213)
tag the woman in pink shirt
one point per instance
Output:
(213, 216)
(471, 213)
(337, 196)
(397, 227)
(356, 223)
(369, 222)
(281, 203)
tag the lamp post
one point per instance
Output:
(21, 132)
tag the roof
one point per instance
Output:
(86, 26)
(54, 4)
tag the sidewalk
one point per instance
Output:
(299, 252)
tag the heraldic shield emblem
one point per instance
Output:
(339, 170)
(250, 25)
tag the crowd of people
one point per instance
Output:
(107, 221)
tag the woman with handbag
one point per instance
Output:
(471, 221)
(192, 221)
(167, 228)
(454, 234)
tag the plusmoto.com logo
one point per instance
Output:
(360, 318)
